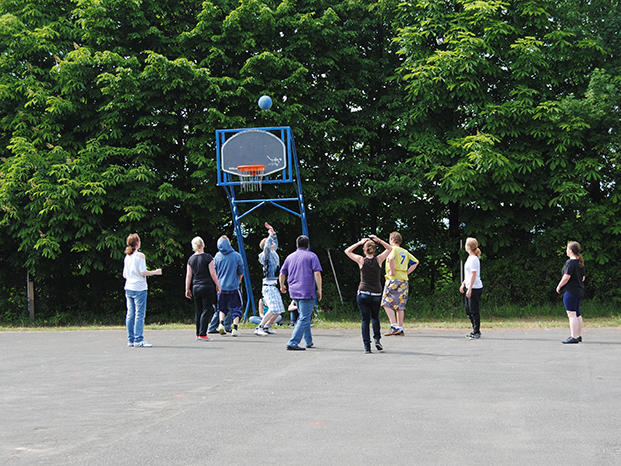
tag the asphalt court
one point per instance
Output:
(432, 397)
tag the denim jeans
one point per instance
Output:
(215, 321)
(302, 327)
(136, 309)
(256, 320)
(369, 307)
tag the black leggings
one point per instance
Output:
(204, 301)
(369, 311)
(472, 309)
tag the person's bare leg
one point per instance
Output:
(580, 325)
(265, 320)
(391, 315)
(400, 316)
(573, 324)
(268, 319)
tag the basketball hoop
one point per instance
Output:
(251, 177)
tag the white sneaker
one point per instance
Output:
(269, 330)
(235, 333)
(259, 331)
(221, 329)
(142, 344)
(131, 345)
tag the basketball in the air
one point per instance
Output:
(265, 102)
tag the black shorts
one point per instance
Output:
(230, 301)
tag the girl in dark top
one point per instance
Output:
(370, 289)
(201, 282)
(572, 287)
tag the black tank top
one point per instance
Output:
(370, 276)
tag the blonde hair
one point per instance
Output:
(197, 242)
(473, 245)
(132, 243)
(262, 243)
(574, 246)
(396, 237)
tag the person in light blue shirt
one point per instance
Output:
(271, 296)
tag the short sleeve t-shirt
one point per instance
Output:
(575, 285)
(300, 268)
(199, 263)
(133, 267)
(473, 264)
(403, 261)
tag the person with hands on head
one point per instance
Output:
(135, 273)
(201, 283)
(271, 296)
(473, 287)
(572, 287)
(369, 295)
(302, 271)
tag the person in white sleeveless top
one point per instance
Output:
(135, 274)
(472, 286)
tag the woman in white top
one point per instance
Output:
(472, 286)
(135, 274)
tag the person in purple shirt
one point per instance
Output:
(302, 271)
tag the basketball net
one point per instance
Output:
(251, 177)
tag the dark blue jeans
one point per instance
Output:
(369, 311)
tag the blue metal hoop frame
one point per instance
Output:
(290, 175)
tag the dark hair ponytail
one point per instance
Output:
(574, 246)
(132, 243)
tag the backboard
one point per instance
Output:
(253, 147)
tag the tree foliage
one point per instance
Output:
(496, 119)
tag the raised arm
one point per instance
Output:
(387, 248)
(355, 257)
(271, 240)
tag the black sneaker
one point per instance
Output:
(571, 340)
(469, 336)
(474, 336)
(368, 351)
(295, 348)
(312, 345)
(378, 346)
(580, 339)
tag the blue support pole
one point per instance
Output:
(230, 193)
(299, 189)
